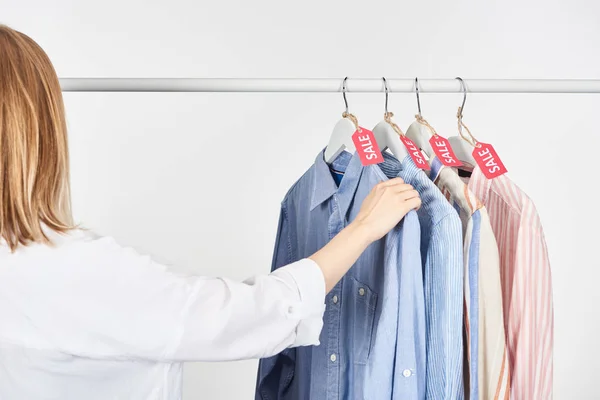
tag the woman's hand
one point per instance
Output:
(383, 208)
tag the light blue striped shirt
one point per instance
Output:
(443, 273)
(466, 214)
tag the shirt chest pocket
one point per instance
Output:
(363, 320)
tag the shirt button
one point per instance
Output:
(361, 291)
(333, 358)
(335, 299)
(407, 373)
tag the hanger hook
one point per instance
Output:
(344, 93)
(386, 93)
(418, 99)
(464, 89)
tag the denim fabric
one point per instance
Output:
(357, 357)
(443, 274)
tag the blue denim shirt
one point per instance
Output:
(443, 274)
(362, 353)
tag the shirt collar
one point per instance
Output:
(447, 179)
(324, 186)
(480, 184)
(436, 167)
(390, 166)
(410, 171)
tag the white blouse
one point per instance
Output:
(89, 319)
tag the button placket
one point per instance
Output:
(334, 314)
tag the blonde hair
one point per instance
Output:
(34, 158)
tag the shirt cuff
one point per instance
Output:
(310, 283)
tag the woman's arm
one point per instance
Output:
(105, 301)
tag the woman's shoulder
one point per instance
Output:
(88, 241)
(80, 250)
(76, 237)
(72, 244)
(101, 250)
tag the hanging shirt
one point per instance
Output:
(442, 263)
(526, 284)
(488, 375)
(89, 319)
(410, 341)
(357, 357)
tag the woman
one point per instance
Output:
(84, 318)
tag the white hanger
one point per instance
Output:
(420, 131)
(461, 145)
(386, 132)
(341, 137)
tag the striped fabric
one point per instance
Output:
(488, 375)
(442, 259)
(526, 285)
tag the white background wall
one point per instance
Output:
(196, 179)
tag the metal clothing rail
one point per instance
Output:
(372, 85)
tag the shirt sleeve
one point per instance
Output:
(121, 304)
(444, 303)
(531, 312)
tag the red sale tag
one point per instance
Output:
(443, 151)
(366, 147)
(488, 160)
(415, 153)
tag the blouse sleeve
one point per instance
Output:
(120, 304)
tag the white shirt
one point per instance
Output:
(89, 319)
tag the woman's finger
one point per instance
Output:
(401, 188)
(414, 203)
(408, 194)
(391, 182)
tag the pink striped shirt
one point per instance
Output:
(526, 285)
